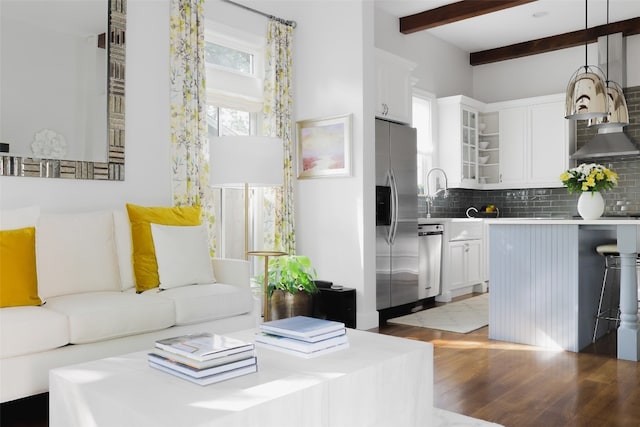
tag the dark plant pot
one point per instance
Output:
(285, 304)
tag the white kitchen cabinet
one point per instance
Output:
(393, 87)
(463, 268)
(465, 259)
(535, 142)
(458, 119)
(512, 145)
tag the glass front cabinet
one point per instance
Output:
(458, 140)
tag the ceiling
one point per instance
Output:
(531, 21)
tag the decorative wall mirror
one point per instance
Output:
(46, 153)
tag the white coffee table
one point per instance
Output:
(378, 381)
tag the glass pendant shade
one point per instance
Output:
(586, 94)
(618, 113)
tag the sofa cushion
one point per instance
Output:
(27, 330)
(182, 253)
(18, 280)
(122, 229)
(11, 219)
(199, 303)
(145, 266)
(76, 253)
(97, 316)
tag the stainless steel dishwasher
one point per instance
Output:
(430, 255)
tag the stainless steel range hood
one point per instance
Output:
(608, 145)
(611, 141)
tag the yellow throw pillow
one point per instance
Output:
(145, 266)
(18, 277)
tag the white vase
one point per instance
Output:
(590, 205)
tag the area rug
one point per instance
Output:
(460, 316)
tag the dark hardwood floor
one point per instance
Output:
(521, 386)
(513, 385)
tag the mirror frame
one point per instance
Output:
(113, 168)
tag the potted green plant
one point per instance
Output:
(291, 286)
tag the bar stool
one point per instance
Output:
(611, 262)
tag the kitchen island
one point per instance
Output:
(545, 279)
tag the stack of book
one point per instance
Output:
(204, 358)
(303, 336)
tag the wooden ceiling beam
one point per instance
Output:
(628, 27)
(454, 12)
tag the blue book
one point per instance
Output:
(303, 327)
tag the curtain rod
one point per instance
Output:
(292, 24)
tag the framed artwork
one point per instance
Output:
(324, 147)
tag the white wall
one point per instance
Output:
(147, 130)
(543, 74)
(331, 213)
(442, 68)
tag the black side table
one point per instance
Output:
(336, 304)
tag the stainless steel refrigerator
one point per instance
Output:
(396, 215)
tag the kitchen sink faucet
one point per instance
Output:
(430, 196)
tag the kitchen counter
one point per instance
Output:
(563, 220)
(446, 220)
(545, 279)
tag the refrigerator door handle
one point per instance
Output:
(389, 183)
(394, 208)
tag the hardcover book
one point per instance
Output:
(302, 327)
(303, 354)
(204, 364)
(211, 379)
(299, 345)
(200, 373)
(203, 346)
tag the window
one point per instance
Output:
(225, 121)
(234, 105)
(227, 57)
(423, 119)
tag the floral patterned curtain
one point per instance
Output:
(189, 143)
(278, 112)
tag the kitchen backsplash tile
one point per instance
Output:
(552, 202)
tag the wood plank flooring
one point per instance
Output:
(521, 386)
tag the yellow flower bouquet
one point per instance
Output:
(589, 177)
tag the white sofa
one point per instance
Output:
(91, 309)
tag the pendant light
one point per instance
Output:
(618, 116)
(586, 97)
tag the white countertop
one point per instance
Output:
(445, 220)
(565, 221)
(536, 220)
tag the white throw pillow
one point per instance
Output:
(76, 252)
(122, 229)
(182, 253)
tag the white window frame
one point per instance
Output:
(240, 91)
(232, 88)
(239, 40)
(426, 160)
